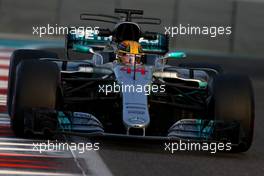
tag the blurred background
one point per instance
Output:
(244, 16)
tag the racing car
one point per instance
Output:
(128, 85)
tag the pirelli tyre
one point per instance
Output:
(35, 86)
(16, 57)
(233, 100)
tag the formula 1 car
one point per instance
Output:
(155, 98)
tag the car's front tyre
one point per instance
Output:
(233, 100)
(36, 86)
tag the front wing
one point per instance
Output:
(42, 121)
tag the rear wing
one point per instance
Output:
(130, 16)
(92, 38)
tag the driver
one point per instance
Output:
(129, 52)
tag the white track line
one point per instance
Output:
(4, 120)
(14, 149)
(19, 172)
(5, 123)
(5, 54)
(4, 62)
(3, 84)
(3, 115)
(96, 164)
(3, 99)
(3, 72)
(3, 96)
(18, 139)
(16, 144)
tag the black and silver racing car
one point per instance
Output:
(158, 99)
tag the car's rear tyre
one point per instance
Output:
(16, 57)
(233, 99)
(36, 86)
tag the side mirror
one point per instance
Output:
(82, 49)
(175, 55)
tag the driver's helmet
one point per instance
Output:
(129, 52)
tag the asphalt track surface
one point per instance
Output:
(17, 157)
